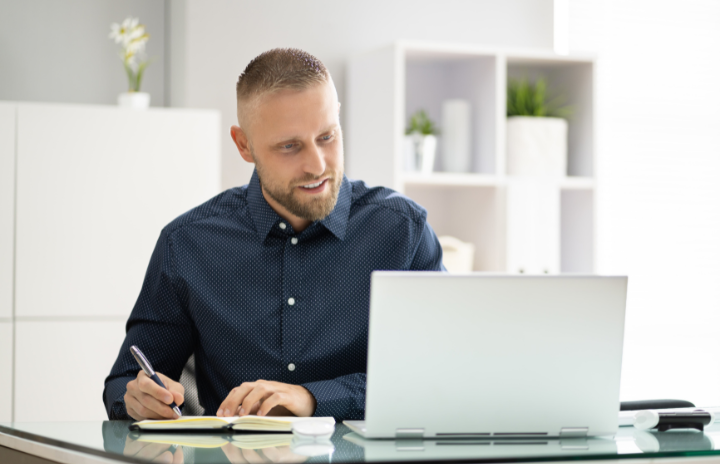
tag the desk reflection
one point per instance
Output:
(153, 452)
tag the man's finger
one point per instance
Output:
(253, 410)
(136, 410)
(178, 397)
(148, 386)
(171, 385)
(147, 407)
(274, 400)
(233, 400)
(159, 408)
(257, 395)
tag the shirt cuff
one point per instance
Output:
(338, 399)
(114, 402)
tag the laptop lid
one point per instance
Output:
(493, 355)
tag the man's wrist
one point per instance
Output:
(312, 401)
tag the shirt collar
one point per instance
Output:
(264, 217)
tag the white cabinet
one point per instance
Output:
(7, 207)
(95, 186)
(84, 194)
(60, 368)
(6, 378)
(517, 224)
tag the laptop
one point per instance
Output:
(497, 356)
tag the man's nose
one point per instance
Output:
(315, 160)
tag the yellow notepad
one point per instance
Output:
(246, 423)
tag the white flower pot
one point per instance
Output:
(423, 152)
(536, 146)
(134, 100)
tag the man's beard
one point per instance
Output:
(312, 210)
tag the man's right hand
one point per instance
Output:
(144, 399)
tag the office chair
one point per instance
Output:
(188, 380)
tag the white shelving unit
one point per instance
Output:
(517, 224)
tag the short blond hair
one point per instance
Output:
(277, 69)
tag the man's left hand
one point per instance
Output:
(261, 396)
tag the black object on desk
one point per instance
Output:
(654, 404)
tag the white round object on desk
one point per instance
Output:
(313, 428)
(645, 420)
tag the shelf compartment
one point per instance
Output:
(431, 79)
(574, 80)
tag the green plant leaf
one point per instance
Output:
(131, 77)
(531, 99)
(420, 122)
(141, 70)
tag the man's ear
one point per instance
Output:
(242, 143)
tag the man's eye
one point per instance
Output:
(288, 146)
(327, 137)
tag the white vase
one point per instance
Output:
(425, 147)
(536, 146)
(134, 100)
(455, 137)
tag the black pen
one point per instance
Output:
(145, 365)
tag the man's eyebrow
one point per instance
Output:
(292, 138)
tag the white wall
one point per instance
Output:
(658, 191)
(59, 50)
(213, 40)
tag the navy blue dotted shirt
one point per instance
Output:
(233, 283)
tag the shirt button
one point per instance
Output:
(282, 225)
(291, 367)
(291, 301)
(293, 241)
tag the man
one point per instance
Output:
(268, 284)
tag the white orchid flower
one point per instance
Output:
(133, 38)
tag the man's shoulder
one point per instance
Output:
(386, 199)
(222, 205)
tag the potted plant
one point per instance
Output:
(132, 38)
(536, 130)
(421, 134)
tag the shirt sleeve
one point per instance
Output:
(159, 325)
(342, 398)
(428, 253)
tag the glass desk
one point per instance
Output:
(88, 442)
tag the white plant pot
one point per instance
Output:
(536, 146)
(409, 162)
(424, 148)
(134, 100)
